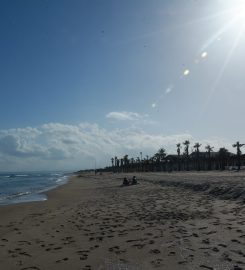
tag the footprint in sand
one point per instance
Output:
(235, 241)
(87, 267)
(237, 268)
(84, 257)
(222, 245)
(64, 259)
(155, 251)
(31, 267)
(4, 240)
(157, 262)
(215, 249)
(116, 250)
(206, 267)
(25, 254)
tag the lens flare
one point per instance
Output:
(204, 54)
(186, 72)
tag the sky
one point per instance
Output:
(82, 81)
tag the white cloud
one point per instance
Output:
(59, 146)
(124, 116)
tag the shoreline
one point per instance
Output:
(92, 223)
(28, 197)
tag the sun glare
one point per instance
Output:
(236, 9)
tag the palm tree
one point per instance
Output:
(186, 144)
(112, 164)
(138, 164)
(209, 150)
(132, 164)
(151, 164)
(144, 165)
(147, 163)
(223, 155)
(162, 155)
(116, 162)
(141, 161)
(156, 159)
(121, 165)
(197, 146)
(238, 146)
(125, 161)
(178, 152)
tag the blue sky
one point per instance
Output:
(159, 71)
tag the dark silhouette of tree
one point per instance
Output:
(209, 150)
(159, 162)
(223, 155)
(112, 164)
(151, 163)
(156, 160)
(132, 162)
(162, 155)
(138, 164)
(238, 146)
(178, 152)
(116, 162)
(147, 163)
(186, 153)
(121, 164)
(126, 163)
(197, 146)
(144, 164)
(141, 162)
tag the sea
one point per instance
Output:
(29, 186)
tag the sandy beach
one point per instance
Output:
(168, 221)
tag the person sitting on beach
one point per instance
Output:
(134, 181)
(125, 181)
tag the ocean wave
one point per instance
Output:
(62, 179)
(15, 195)
(23, 187)
(14, 175)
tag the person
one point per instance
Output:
(125, 181)
(134, 181)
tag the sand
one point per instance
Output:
(168, 221)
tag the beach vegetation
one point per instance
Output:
(185, 160)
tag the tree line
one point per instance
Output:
(182, 160)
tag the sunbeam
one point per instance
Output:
(222, 70)
(215, 37)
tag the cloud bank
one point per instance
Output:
(56, 146)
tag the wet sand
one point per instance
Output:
(168, 221)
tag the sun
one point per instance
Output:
(239, 12)
(235, 10)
